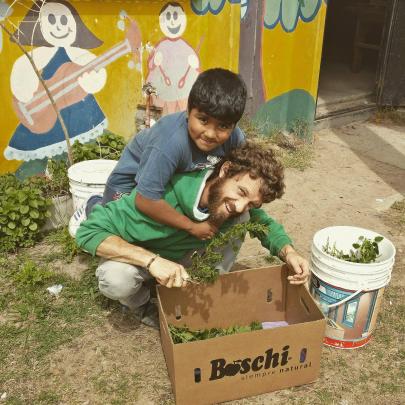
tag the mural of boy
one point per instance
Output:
(173, 64)
(60, 37)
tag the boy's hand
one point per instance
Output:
(169, 274)
(297, 263)
(203, 230)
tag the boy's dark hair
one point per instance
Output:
(219, 93)
(260, 162)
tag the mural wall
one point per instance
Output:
(94, 57)
(289, 36)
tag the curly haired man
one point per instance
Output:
(139, 249)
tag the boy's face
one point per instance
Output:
(207, 132)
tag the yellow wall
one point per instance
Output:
(121, 94)
(291, 60)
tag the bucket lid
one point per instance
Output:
(91, 171)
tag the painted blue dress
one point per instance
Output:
(84, 122)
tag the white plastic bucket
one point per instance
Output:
(349, 293)
(88, 178)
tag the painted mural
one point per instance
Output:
(96, 65)
(290, 39)
(61, 43)
(173, 64)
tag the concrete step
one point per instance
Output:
(343, 117)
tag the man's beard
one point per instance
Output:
(215, 200)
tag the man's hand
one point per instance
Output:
(203, 230)
(168, 273)
(297, 263)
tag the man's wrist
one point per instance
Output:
(151, 260)
(284, 251)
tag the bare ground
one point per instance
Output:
(357, 173)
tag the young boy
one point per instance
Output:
(179, 142)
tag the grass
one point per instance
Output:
(390, 115)
(66, 247)
(294, 149)
(34, 323)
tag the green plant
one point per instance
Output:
(106, 146)
(301, 128)
(202, 269)
(185, 335)
(23, 210)
(59, 181)
(366, 250)
(65, 244)
(30, 274)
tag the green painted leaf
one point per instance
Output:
(11, 225)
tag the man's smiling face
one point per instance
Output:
(58, 25)
(173, 22)
(232, 196)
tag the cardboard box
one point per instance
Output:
(244, 364)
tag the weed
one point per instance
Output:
(47, 397)
(389, 114)
(66, 245)
(399, 206)
(31, 275)
(302, 129)
(300, 158)
(250, 128)
(325, 396)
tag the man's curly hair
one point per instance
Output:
(260, 162)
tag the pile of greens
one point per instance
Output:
(365, 250)
(185, 335)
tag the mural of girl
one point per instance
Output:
(173, 64)
(60, 39)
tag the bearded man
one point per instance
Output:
(139, 249)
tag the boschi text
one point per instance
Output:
(220, 368)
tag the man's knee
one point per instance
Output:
(117, 280)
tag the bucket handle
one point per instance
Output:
(336, 304)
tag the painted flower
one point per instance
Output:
(202, 7)
(288, 12)
(5, 11)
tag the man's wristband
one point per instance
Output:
(147, 267)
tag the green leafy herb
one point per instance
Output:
(23, 211)
(184, 334)
(106, 146)
(365, 250)
(202, 269)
